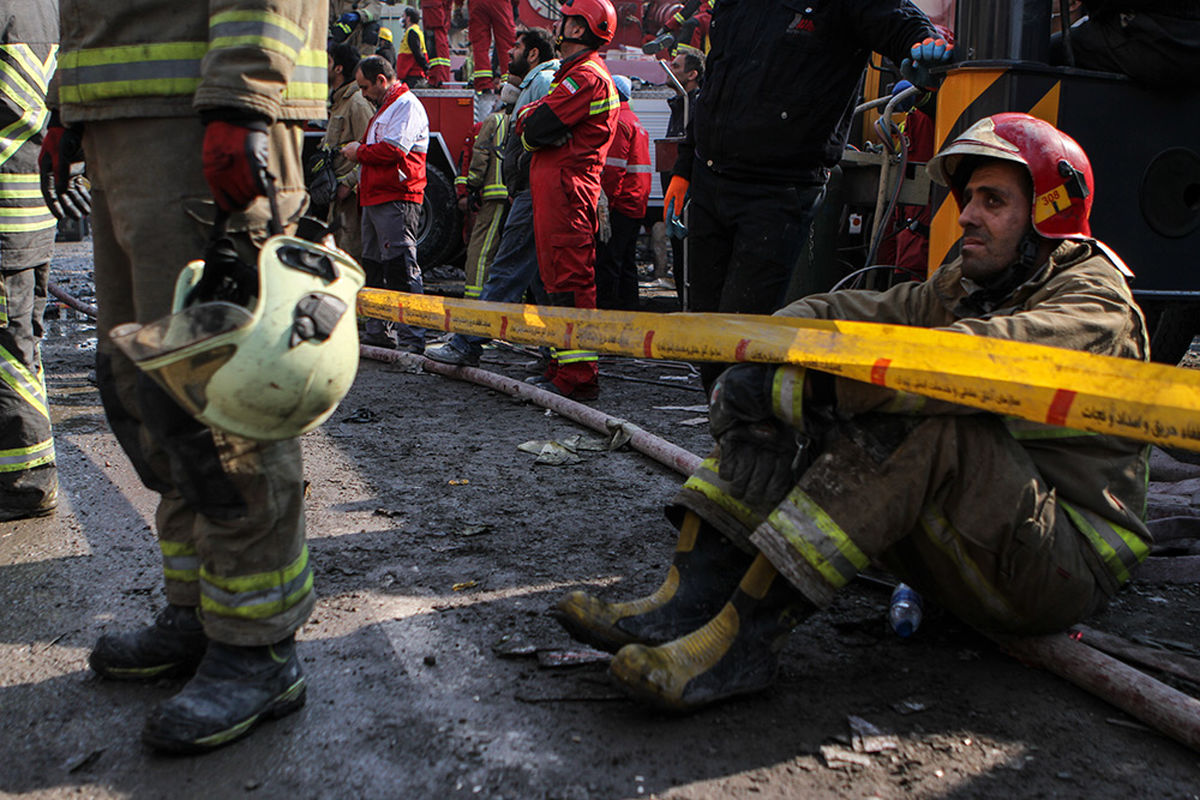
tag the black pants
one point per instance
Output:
(744, 239)
(616, 265)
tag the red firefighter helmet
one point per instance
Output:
(599, 15)
(1063, 189)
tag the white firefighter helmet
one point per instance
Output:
(271, 368)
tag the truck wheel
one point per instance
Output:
(1172, 328)
(439, 235)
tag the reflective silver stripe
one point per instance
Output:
(1120, 549)
(23, 382)
(706, 480)
(22, 458)
(818, 538)
(236, 29)
(787, 395)
(575, 356)
(126, 72)
(255, 604)
(615, 162)
(635, 168)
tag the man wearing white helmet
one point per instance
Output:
(1016, 527)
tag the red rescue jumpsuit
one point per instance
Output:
(490, 19)
(435, 14)
(564, 178)
(626, 183)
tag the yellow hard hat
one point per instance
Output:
(271, 368)
(385, 34)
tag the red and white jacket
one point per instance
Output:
(626, 176)
(392, 152)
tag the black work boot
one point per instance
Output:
(235, 688)
(734, 654)
(170, 648)
(704, 571)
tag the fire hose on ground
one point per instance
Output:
(1164, 708)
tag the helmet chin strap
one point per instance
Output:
(562, 35)
(1021, 270)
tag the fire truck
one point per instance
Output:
(1141, 141)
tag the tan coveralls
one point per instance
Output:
(231, 513)
(485, 177)
(349, 114)
(1014, 526)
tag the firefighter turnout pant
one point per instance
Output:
(952, 504)
(485, 239)
(347, 216)
(491, 22)
(230, 515)
(564, 227)
(28, 479)
(744, 240)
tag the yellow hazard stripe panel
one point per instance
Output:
(1144, 401)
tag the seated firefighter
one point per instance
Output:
(1014, 526)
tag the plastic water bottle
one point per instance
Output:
(904, 613)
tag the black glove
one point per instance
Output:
(758, 451)
(67, 195)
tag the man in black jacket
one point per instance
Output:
(1155, 42)
(771, 119)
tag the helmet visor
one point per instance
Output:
(184, 350)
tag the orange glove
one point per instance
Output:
(674, 199)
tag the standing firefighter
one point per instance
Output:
(410, 62)
(569, 133)
(436, 16)
(1016, 527)
(491, 23)
(28, 478)
(486, 182)
(355, 22)
(180, 104)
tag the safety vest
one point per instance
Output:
(406, 63)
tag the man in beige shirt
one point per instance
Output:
(349, 113)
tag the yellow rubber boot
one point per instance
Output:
(734, 654)
(703, 572)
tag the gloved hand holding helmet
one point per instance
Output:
(234, 158)
(65, 189)
(755, 415)
(267, 350)
(923, 55)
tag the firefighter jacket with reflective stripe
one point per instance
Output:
(487, 159)
(392, 155)
(154, 58)
(626, 176)
(410, 56)
(780, 83)
(1079, 300)
(349, 113)
(28, 48)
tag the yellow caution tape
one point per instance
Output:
(1148, 402)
